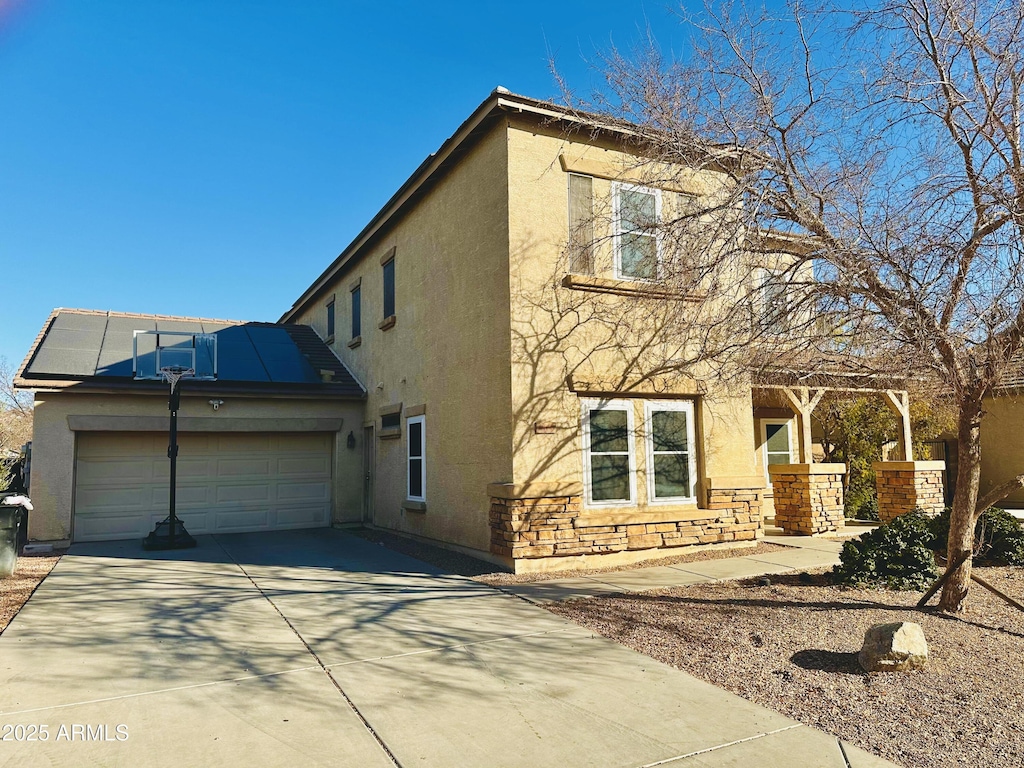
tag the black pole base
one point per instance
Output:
(160, 537)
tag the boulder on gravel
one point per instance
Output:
(896, 647)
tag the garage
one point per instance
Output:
(268, 437)
(227, 483)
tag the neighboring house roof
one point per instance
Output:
(93, 350)
(1013, 376)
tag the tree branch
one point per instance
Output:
(998, 493)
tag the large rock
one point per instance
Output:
(896, 647)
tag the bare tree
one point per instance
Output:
(15, 412)
(876, 180)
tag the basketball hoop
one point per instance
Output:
(173, 374)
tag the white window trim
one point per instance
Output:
(670, 405)
(611, 405)
(422, 421)
(617, 188)
(765, 423)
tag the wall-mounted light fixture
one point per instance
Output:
(351, 442)
(216, 404)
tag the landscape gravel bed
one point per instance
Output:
(17, 589)
(792, 646)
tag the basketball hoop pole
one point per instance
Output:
(175, 536)
(172, 453)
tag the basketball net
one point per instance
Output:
(174, 374)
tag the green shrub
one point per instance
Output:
(866, 509)
(998, 536)
(897, 555)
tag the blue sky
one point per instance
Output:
(211, 157)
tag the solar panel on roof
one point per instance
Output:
(282, 359)
(129, 324)
(76, 321)
(64, 362)
(236, 356)
(71, 346)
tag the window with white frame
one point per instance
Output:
(416, 458)
(636, 212)
(776, 442)
(609, 467)
(668, 433)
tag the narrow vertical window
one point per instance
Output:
(416, 487)
(389, 289)
(330, 319)
(608, 452)
(356, 313)
(773, 301)
(581, 224)
(637, 250)
(670, 464)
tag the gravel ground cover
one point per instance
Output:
(17, 589)
(488, 573)
(792, 646)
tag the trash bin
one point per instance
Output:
(10, 525)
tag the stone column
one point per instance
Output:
(904, 486)
(808, 497)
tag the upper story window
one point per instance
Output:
(330, 319)
(357, 322)
(772, 301)
(636, 212)
(581, 224)
(389, 288)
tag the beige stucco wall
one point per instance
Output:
(1002, 450)
(53, 441)
(606, 341)
(448, 350)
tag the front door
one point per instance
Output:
(777, 443)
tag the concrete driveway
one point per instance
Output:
(319, 648)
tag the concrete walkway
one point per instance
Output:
(803, 553)
(318, 648)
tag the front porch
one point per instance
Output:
(805, 495)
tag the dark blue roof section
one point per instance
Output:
(96, 347)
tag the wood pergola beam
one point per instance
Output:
(898, 401)
(804, 403)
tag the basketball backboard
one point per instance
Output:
(154, 350)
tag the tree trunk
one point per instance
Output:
(965, 499)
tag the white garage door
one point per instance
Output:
(227, 483)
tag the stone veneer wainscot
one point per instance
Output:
(527, 527)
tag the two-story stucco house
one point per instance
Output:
(508, 410)
(482, 367)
